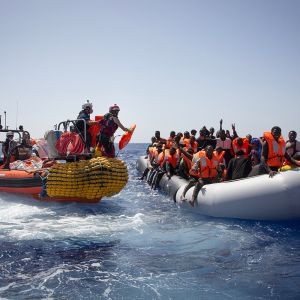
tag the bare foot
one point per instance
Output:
(192, 203)
(182, 198)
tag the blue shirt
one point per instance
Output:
(83, 115)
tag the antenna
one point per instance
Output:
(5, 127)
(17, 114)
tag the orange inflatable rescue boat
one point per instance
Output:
(18, 181)
(69, 172)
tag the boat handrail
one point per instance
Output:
(19, 132)
(67, 123)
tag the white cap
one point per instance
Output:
(88, 104)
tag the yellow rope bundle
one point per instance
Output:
(91, 179)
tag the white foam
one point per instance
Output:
(23, 218)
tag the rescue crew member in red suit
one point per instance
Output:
(108, 126)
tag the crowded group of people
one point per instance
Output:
(210, 158)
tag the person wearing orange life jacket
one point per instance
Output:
(241, 144)
(219, 153)
(185, 165)
(149, 152)
(170, 141)
(159, 139)
(204, 170)
(169, 166)
(274, 151)
(155, 160)
(171, 161)
(150, 148)
(186, 138)
(158, 156)
(108, 126)
(183, 168)
(157, 163)
(192, 144)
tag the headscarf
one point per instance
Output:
(257, 151)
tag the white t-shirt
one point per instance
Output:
(224, 144)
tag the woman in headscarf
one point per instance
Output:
(255, 153)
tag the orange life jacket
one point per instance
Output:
(159, 157)
(151, 151)
(170, 142)
(172, 159)
(220, 156)
(193, 146)
(276, 150)
(244, 147)
(203, 167)
(186, 142)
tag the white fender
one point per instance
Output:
(51, 137)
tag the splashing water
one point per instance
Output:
(140, 245)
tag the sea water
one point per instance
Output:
(140, 245)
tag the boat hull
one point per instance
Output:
(255, 198)
(22, 182)
(17, 181)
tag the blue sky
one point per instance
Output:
(169, 65)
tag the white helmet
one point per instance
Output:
(88, 104)
(114, 107)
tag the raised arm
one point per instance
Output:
(221, 122)
(187, 154)
(291, 160)
(234, 133)
(117, 121)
